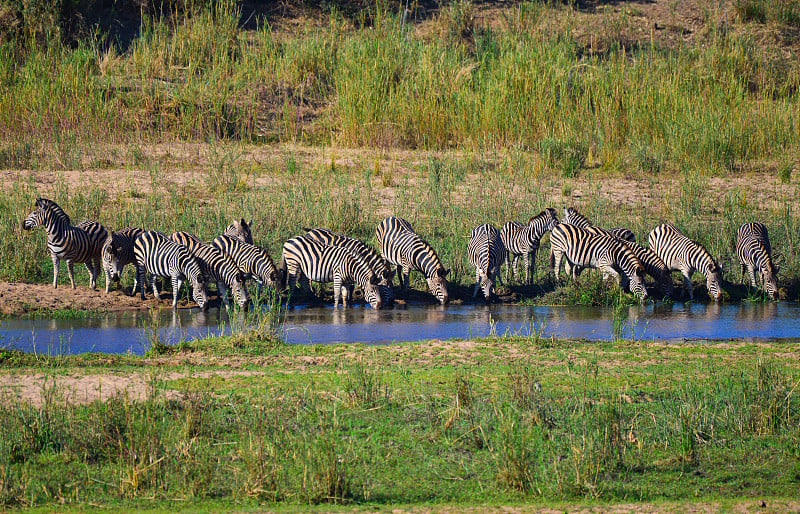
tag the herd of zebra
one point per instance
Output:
(324, 256)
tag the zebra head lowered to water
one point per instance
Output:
(401, 246)
(254, 262)
(586, 249)
(680, 253)
(754, 252)
(79, 244)
(305, 259)
(487, 253)
(118, 252)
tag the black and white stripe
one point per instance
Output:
(573, 217)
(240, 230)
(680, 253)
(160, 256)
(253, 262)
(217, 267)
(486, 252)
(307, 259)
(79, 244)
(118, 252)
(753, 250)
(379, 265)
(524, 240)
(583, 249)
(401, 246)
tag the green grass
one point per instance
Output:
(623, 422)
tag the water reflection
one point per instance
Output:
(134, 332)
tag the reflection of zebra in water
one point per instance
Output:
(680, 253)
(583, 249)
(159, 256)
(379, 265)
(401, 246)
(753, 250)
(573, 217)
(487, 253)
(520, 239)
(306, 259)
(79, 244)
(240, 230)
(118, 252)
(217, 267)
(254, 262)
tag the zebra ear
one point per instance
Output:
(446, 272)
(250, 223)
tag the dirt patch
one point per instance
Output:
(80, 390)
(19, 299)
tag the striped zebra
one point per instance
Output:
(379, 265)
(240, 230)
(253, 262)
(160, 256)
(217, 266)
(520, 239)
(118, 252)
(79, 244)
(573, 217)
(306, 259)
(753, 250)
(486, 252)
(401, 246)
(680, 253)
(584, 249)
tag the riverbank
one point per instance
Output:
(261, 425)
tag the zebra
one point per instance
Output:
(82, 243)
(520, 239)
(379, 265)
(160, 256)
(401, 246)
(573, 217)
(753, 250)
(118, 252)
(680, 253)
(308, 259)
(584, 249)
(254, 262)
(240, 230)
(217, 266)
(486, 252)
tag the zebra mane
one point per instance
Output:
(51, 206)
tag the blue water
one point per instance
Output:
(131, 332)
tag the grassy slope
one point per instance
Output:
(431, 422)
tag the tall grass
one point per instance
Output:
(196, 74)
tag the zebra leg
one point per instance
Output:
(527, 264)
(141, 280)
(92, 274)
(532, 266)
(108, 278)
(477, 282)
(687, 283)
(56, 261)
(337, 290)
(176, 287)
(751, 270)
(71, 272)
(509, 260)
(153, 286)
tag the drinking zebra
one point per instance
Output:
(118, 252)
(79, 244)
(379, 265)
(217, 267)
(307, 259)
(487, 253)
(160, 256)
(520, 239)
(680, 253)
(583, 249)
(240, 230)
(753, 250)
(401, 246)
(253, 262)
(573, 217)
